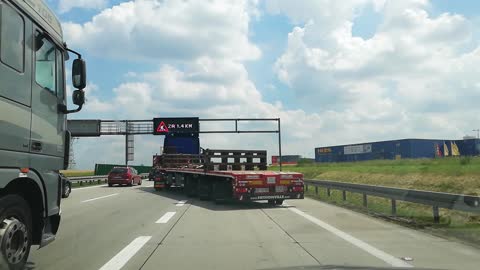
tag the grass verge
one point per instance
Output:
(77, 173)
(453, 175)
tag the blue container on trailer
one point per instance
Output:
(181, 144)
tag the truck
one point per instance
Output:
(34, 141)
(226, 175)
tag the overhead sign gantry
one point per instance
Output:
(162, 126)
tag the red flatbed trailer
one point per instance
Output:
(218, 181)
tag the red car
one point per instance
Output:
(124, 176)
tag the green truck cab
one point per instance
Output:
(34, 141)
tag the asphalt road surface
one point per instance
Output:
(137, 228)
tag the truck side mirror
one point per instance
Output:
(79, 74)
(78, 97)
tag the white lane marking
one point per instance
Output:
(181, 203)
(97, 186)
(393, 261)
(98, 198)
(126, 253)
(165, 218)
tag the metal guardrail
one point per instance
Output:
(88, 180)
(459, 202)
(83, 178)
(95, 179)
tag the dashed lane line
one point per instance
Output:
(119, 260)
(181, 203)
(165, 218)
(99, 198)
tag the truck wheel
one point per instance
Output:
(279, 202)
(220, 192)
(271, 202)
(191, 186)
(110, 185)
(15, 232)
(67, 189)
(130, 184)
(204, 189)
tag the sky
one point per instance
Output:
(334, 72)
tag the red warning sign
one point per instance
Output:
(162, 128)
(175, 125)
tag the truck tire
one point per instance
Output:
(67, 189)
(204, 189)
(218, 196)
(220, 191)
(279, 202)
(191, 186)
(271, 202)
(110, 185)
(15, 232)
(130, 184)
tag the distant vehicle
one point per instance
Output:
(154, 173)
(66, 186)
(124, 176)
(151, 175)
(34, 140)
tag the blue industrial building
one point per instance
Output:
(395, 149)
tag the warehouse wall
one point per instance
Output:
(395, 149)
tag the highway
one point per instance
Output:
(137, 228)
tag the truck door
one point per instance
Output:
(48, 123)
(15, 87)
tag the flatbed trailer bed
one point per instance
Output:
(236, 185)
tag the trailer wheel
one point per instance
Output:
(221, 191)
(218, 196)
(204, 190)
(15, 232)
(191, 186)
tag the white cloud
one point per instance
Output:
(67, 5)
(410, 78)
(165, 30)
(415, 77)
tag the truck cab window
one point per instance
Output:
(13, 37)
(45, 57)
